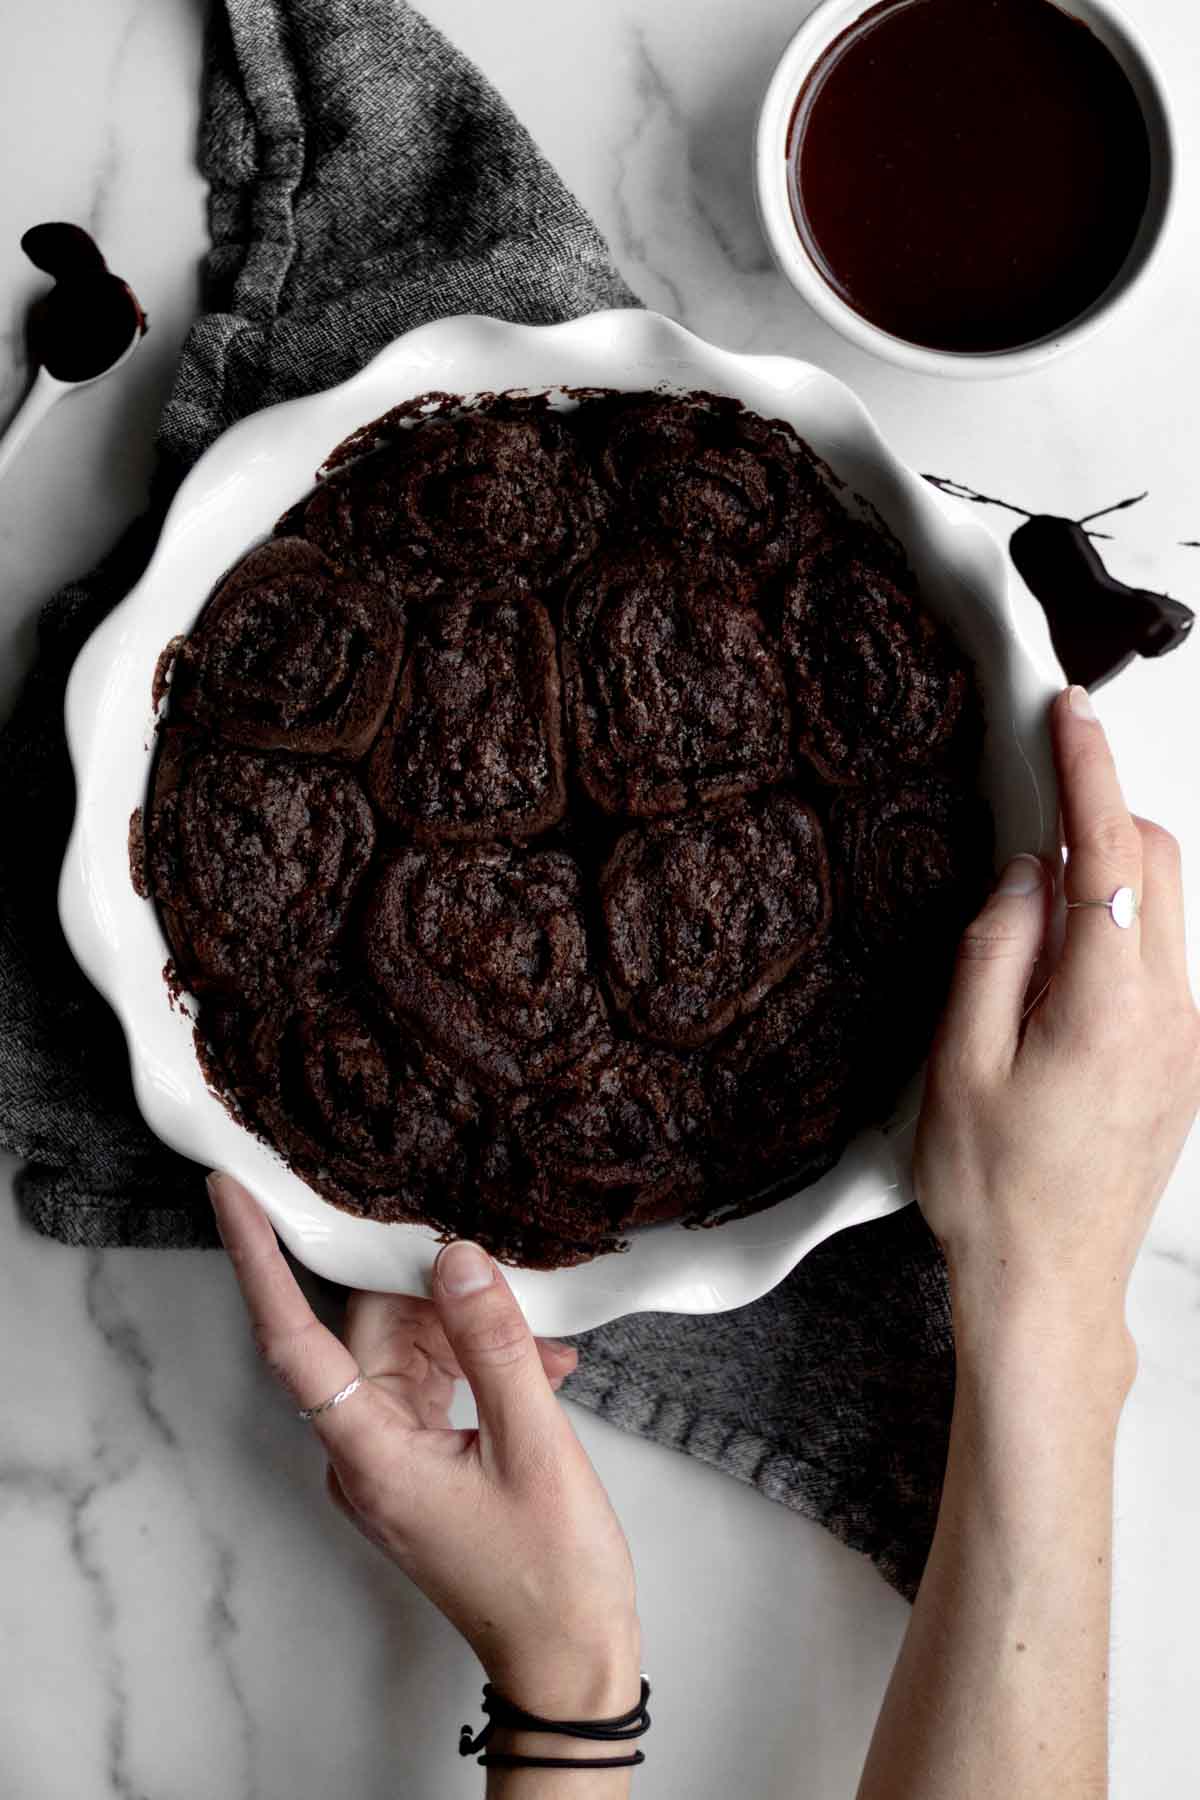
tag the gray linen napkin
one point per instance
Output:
(365, 178)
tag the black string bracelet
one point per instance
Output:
(495, 1759)
(502, 1715)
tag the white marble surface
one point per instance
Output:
(179, 1615)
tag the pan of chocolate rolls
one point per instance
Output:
(534, 794)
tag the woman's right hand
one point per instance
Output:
(1045, 1141)
(506, 1528)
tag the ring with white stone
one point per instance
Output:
(1123, 906)
(351, 1387)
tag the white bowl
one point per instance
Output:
(230, 500)
(824, 25)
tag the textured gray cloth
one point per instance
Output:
(365, 179)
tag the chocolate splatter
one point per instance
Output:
(162, 670)
(1097, 623)
(177, 988)
(137, 853)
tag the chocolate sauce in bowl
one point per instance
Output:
(969, 175)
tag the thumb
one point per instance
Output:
(493, 1346)
(996, 961)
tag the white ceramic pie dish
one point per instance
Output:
(229, 501)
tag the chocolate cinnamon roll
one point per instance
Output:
(782, 1085)
(288, 655)
(712, 475)
(879, 688)
(521, 1219)
(254, 861)
(912, 866)
(485, 951)
(674, 694)
(616, 1134)
(473, 745)
(469, 502)
(371, 1119)
(703, 915)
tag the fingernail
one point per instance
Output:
(464, 1269)
(557, 1347)
(1080, 702)
(210, 1183)
(1024, 875)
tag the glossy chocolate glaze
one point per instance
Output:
(1097, 624)
(969, 175)
(90, 317)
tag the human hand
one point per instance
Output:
(506, 1528)
(1043, 1146)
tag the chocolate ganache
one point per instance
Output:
(969, 175)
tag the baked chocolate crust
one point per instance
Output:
(367, 1114)
(703, 915)
(473, 746)
(255, 862)
(485, 950)
(713, 476)
(912, 866)
(461, 504)
(782, 1086)
(290, 655)
(879, 687)
(675, 694)
(619, 1131)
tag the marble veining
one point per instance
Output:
(121, 1337)
(182, 1617)
(656, 112)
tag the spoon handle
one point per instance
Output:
(40, 398)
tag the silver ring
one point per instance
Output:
(351, 1387)
(1123, 907)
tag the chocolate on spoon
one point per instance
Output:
(85, 327)
(90, 318)
(1097, 624)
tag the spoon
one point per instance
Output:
(82, 330)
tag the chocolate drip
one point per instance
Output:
(1097, 624)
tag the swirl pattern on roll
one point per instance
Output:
(713, 476)
(619, 1130)
(255, 862)
(485, 950)
(782, 1085)
(288, 655)
(462, 504)
(473, 745)
(879, 687)
(704, 915)
(360, 1109)
(674, 692)
(912, 866)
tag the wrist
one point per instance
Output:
(1018, 1332)
(600, 1681)
(606, 1684)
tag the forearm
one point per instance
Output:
(560, 1784)
(1001, 1686)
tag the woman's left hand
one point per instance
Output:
(506, 1528)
